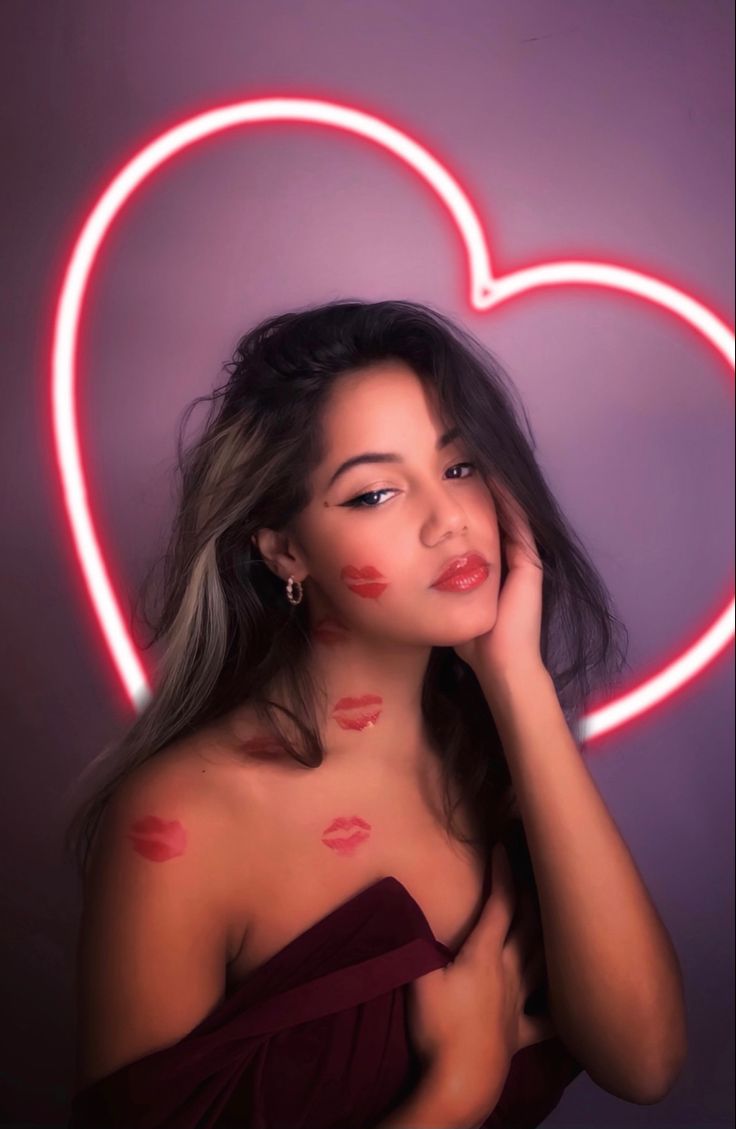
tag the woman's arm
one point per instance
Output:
(615, 985)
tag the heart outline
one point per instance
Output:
(486, 293)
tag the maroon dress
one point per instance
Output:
(315, 1038)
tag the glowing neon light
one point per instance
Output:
(486, 293)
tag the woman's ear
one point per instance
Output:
(279, 553)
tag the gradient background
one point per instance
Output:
(579, 129)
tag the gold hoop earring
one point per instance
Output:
(290, 589)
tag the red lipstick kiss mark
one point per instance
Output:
(368, 581)
(262, 748)
(158, 840)
(364, 718)
(330, 632)
(347, 846)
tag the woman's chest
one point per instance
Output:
(313, 839)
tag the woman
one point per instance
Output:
(294, 839)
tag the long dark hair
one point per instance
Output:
(227, 629)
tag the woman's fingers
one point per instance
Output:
(501, 901)
(526, 944)
(492, 926)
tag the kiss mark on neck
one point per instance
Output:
(363, 715)
(262, 747)
(330, 631)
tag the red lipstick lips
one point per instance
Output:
(463, 572)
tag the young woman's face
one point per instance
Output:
(371, 561)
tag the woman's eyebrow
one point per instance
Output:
(387, 457)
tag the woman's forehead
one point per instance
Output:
(390, 399)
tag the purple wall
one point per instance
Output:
(579, 130)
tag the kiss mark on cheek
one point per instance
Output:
(367, 582)
(158, 840)
(364, 711)
(330, 632)
(346, 845)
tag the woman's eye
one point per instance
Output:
(360, 503)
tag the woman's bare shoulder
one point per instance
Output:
(213, 748)
(197, 782)
(201, 769)
(177, 787)
(228, 773)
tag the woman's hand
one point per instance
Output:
(513, 643)
(467, 1020)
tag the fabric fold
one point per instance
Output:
(317, 1037)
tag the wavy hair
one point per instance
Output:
(225, 627)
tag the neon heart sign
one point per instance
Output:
(486, 293)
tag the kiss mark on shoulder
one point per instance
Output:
(158, 840)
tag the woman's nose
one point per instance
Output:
(445, 516)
